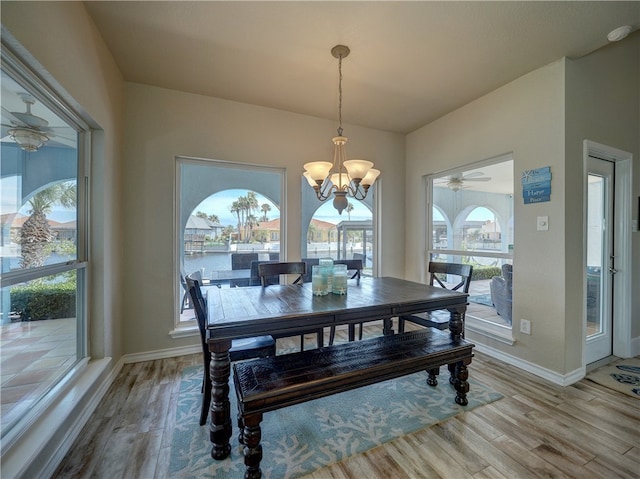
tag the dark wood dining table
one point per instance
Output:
(235, 313)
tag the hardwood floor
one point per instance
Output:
(537, 430)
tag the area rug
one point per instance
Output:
(622, 375)
(302, 438)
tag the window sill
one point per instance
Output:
(185, 330)
(504, 334)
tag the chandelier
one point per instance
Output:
(341, 177)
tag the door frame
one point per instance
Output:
(621, 245)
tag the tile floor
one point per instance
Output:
(33, 356)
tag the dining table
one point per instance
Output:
(280, 310)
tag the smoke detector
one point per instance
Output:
(619, 33)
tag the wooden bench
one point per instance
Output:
(267, 384)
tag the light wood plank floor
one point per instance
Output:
(537, 430)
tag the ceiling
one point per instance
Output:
(410, 62)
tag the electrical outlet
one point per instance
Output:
(525, 326)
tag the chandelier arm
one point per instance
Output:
(359, 192)
(324, 191)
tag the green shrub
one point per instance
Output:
(44, 301)
(485, 272)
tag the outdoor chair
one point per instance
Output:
(438, 274)
(241, 261)
(502, 292)
(246, 348)
(269, 274)
(186, 300)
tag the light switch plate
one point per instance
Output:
(543, 223)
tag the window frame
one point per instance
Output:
(55, 99)
(188, 328)
(497, 332)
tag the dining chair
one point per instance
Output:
(438, 274)
(246, 348)
(270, 272)
(186, 300)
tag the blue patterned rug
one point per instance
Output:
(302, 438)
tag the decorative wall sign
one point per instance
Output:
(536, 185)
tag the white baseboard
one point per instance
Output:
(551, 376)
(161, 354)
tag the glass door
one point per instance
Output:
(600, 259)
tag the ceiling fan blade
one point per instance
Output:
(472, 175)
(11, 118)
(485, 178)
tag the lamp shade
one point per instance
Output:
(309, 179)
(357, 169)
(340, 180)
(318, 170)
(370, 177)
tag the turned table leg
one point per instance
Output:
(461, 384)
(220, 427)
(432, 379)
(252, 447)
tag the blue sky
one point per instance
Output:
(220, 203)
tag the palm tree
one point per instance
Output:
(265, 209)
(252, 222)
(311, 232)
(35, 233)
(349, 209)
(213, 218)
(235, 208)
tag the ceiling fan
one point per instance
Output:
(457, 181)
(29, 131)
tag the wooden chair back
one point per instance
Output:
(194, 280)
(354, 265)
(464, 271)
(269, 273)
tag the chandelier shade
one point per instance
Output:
(342, 177)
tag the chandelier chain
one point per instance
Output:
(340, 96)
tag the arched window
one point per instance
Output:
(228, 214)
(345, 236)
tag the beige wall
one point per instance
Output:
(76, 58)
(603, 105)
(541, 118)
(161, 124)
(525, 118)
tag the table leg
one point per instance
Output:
(387, 326)
(461, 374)
(220, 427)
(456, 322)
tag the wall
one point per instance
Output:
(161, 124)
(543, 118)
(603, 105)
(525, 117)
